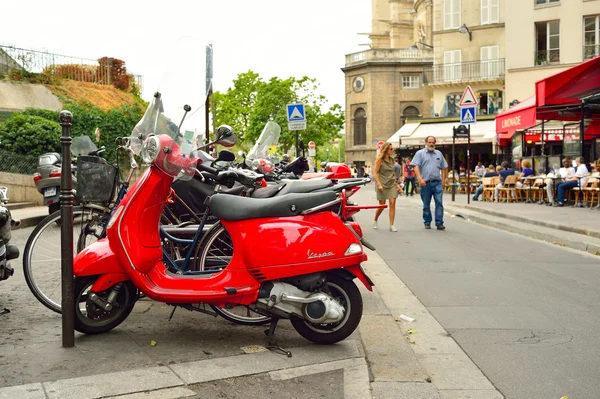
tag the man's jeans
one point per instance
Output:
(435, 189)
(478, 192)
(562, 187)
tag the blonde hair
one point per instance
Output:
(526, 164)
(383, 152)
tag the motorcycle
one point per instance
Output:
(308, 256)
(49, 170)
(193, 192)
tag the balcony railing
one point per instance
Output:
(389, 55)
(591, 51)
(545, 57)
(467, 71)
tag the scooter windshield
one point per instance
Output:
(82, 145)
(268, 137)
(175, 121)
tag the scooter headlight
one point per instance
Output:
(150, 149)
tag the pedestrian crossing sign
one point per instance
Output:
(295, 112)
(468, 115)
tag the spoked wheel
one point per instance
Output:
(42, 253)
(215, 250)
(215, 253)
(243, 315)
(90, 317)
(348, 296)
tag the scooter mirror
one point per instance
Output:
(226, 136)
(240, 153)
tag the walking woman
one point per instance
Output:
(387, 187)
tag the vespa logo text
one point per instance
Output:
(312, 255)
(516, 121)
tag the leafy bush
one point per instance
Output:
(37, 131)
(29, 134)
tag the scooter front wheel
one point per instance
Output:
(90, 317)
(346, 293)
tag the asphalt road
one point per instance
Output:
(526, 312)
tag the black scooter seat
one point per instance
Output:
(304, 186)
(239, 208)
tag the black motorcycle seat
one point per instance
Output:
(304, 186)
(267, 192)
(239, 208)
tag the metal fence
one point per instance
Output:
(14, 60)
(17, 163)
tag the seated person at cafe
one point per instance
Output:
(554, 179)
(489, 173)
(572, 181)
(504, 173)
(480, 170)
(527, 171)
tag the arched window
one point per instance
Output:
(360, 127)
(411, 112)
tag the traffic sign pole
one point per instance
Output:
(453, 170)
(469, 167)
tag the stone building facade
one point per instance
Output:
(386, 84)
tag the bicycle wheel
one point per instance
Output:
(42, 254)
(216, 250)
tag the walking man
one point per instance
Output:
(431, 169)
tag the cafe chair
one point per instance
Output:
(508, 187)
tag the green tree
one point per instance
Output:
(252, 102)
(329, 151)
(233, 107)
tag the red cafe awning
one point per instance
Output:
(519, 117)
(593, 130)
(570, 86)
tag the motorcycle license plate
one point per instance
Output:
(50, 192)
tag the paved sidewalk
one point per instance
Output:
(577, 220)
(575, 228)
(30, 216)
(199, 356)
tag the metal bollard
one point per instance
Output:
(66, 203)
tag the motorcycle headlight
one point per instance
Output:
(150, 149)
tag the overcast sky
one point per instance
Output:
(272, 37)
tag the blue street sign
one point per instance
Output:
(295, 113)
(468, 115)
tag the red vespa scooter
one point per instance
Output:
(303, 271)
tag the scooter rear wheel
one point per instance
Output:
(346, 293)
(91, 318)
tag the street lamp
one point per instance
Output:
(465, 29)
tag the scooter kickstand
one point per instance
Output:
(271, 343)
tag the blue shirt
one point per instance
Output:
(430, 164)
(506, 172)
(526, 172)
